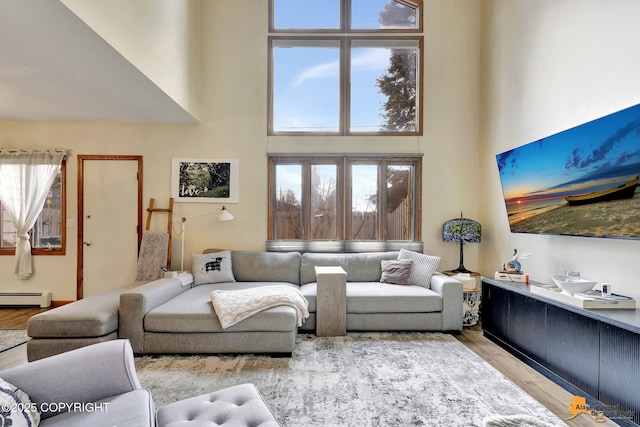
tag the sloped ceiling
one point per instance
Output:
(54, 67)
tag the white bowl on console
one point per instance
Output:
(573, 286)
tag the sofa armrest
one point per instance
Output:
(87, 374)
(137, 302)
(451, 291)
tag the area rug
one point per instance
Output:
(363, 379)
(10, 338)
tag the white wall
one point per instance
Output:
(162, 38)
(233, 125)
(548, 66)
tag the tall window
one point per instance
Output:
(48, 233)
(345, 67)
(353, 197)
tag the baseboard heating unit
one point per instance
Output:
(40, 299)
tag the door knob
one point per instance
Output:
(87, 243)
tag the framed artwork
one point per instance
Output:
(579, 182)
(205, 180)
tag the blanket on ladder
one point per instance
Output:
(235, 306)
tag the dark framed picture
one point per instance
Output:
(205, 180)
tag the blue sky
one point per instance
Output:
(589, 157)
(306, 80)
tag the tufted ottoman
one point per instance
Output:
(238, 406)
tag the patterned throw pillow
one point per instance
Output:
(423, 266)
(212, 268)
(17, 408)
(396, 271)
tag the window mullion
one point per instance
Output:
(345, 16)
(306, 200)
(382, 200)
(345, 84)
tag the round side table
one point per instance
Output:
(471, 306)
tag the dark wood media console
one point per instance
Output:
(591, 353)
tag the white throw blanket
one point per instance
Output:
(235, 306)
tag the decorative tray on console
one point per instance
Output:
(592, 299)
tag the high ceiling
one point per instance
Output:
(54, 67)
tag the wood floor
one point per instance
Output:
(552, 396)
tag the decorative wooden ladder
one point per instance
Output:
(150, 210)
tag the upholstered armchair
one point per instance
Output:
(98, 386)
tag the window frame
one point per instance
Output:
(63, 223)
(345, 36)
(345, 19)
(343, 191)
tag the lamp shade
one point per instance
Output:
(461, 230)
(225, 215)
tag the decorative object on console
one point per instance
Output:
(572, 284)
(223, 216)
(461, 230)
(569, 184)
(590, 300)
(511, 270)
(205, 180)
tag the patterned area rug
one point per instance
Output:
(363, 379)
(10, 338)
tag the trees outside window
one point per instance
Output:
(315, 197)
(345, 67)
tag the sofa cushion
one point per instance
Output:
(360, 267)
(249, 266)
(214, 267)
(94, 316)
(376, 297)
(387, 298)
(396, 271)
(423, 266)
(192, 311)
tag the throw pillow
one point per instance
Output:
(17, 408)
(396, 272)
(423, 266)
(212, 268)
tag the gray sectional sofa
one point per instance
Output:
(163, 316)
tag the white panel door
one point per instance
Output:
(110, 221)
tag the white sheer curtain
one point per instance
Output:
(25, 180)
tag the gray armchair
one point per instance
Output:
(98, 386)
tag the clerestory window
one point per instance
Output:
(345, 67)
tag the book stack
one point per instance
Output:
(512, 276)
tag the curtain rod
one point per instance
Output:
(23, 151)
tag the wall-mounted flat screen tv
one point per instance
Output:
(579, 182)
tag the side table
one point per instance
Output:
(331, 301)
(471, 306)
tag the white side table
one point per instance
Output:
(331, 301)
(471, 306)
